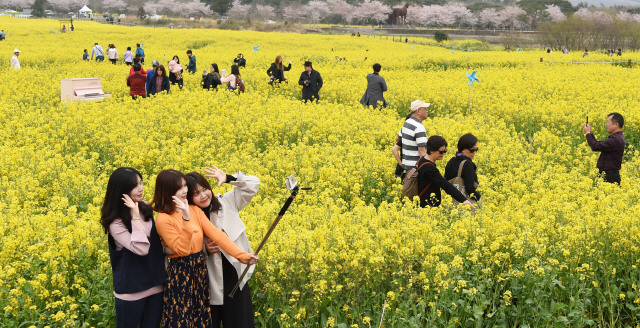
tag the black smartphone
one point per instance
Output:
(587, 119)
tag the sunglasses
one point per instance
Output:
(442, 152)
(473, 150)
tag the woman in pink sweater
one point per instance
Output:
(175, 71)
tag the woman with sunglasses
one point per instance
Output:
(430, 181)
(467, 149)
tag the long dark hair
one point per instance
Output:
(122, 181)
(235, 70)
(176, 58)
(215, 67)
(168, 183)
(279, 63)
(195, 179)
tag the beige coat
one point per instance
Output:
(228, 220)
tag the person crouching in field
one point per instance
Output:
(182, 228)
(276, 71)
(224, 270)
(137, 259)
(430, 181)
(611, 149)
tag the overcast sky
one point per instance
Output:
(608, 3)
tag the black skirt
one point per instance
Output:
(236, 312)
(186, 293)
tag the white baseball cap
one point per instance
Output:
(16, 50)
(417, 104)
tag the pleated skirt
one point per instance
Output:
(186, 293)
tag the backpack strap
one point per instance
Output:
(460, 168)
(429, 185)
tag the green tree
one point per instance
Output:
(141, 12)
(220, 6)
(38, 8)
(480, 6)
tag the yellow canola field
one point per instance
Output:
(552, 245)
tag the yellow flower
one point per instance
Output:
(622, 296)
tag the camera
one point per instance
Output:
(271, 81)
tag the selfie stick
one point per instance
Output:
(294, 193)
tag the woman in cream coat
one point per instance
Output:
(224, 270)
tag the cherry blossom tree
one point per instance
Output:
(66, 5)
(294, 12)
(17, 4)
(555, 14)
(316, 10)
(509, 16)
(490, 18)
(596, 16)
(460, 13)
(372, 11)
(265, 11)
(115, 5)
(342, 9)
(194, 8)
(239, 10)
(625, 16)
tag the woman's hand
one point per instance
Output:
(289, 61)
(253, 260)
(212, 247)
(128, 202)
(469, 203)
(168, 250)
(214, 172)
(182, 205)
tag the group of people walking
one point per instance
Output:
(460, 181)
(201, 234)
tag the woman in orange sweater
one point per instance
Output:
(182, 226)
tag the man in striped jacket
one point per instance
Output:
(413, 135)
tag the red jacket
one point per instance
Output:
(138, 84)
(131, 71)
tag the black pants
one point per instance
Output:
(136, 97)
(143, 313)
(611, 176)
(113, 61)
(173, 79)
(128, 63)
(236, 312)
(312, 97)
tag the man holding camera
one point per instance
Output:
(611, 149)
(311, 82)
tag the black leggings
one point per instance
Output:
(173, 79)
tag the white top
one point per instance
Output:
(231, 78)
(15, 63)
(112, 53)
(228, 220)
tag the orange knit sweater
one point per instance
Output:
(186, 237)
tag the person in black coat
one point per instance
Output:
(430, 181)
(211, 79)
(467, 148)
(165, 85)
(240, 61)
(276, 71)
(311, 83)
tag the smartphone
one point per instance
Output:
(587, 119)
(291, 182)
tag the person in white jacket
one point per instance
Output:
(15, 63)
(223, 269)
(112, 52)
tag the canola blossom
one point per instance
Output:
(552, 245)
